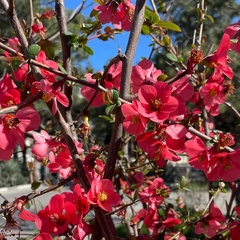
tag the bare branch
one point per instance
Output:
(125, 87)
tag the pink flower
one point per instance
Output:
(13, 126)
(22, 73)
(232, 30)
(212, 94)
(218, 60)
(134, 123)
(42, 58)
(42, 145)
(162, 144)
(54, 92)
(90, 93)
(198, 153)
(126, 12)
(224, 166)
(109, 13)
(156, 102)
(144, 73)
(155, 192)
(211, 223)
(114, 74)
(103, 195)
(172, 218)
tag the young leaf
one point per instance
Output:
(88, 50)
(172, 57)
(145, 30)
(169, 25)
(35, 185)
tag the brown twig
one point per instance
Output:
(125, 87)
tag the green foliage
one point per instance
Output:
(10, 174)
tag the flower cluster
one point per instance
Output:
(119, 14)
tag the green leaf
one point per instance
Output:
(154, 18)
(172, 57)
(35, 185)
(162, 77)
(73, 38)
(169, 25)
(105, 117)
(147, 13)
(88, 50)
(223, 190)
(33, 50)
(115, 95)
(210, 18)
(199, 13)
(109, 109)
(47, 47)
(93, 13)
(180, 59)
(145, 30)
(118, 104)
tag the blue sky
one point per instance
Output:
(104, 51)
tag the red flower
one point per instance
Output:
(234, 227)
(211, 223)
(54, 92)
(134, 123)
(13, 126)
(224, 166)
(103, 195)
(56, 216)
(89, 92)
(232, 30)
(22, 72)
(114, 75)
(156, 102)
(155, 193)
(198, 153)
(126, 13)
(213, 95)
(80, 202)
(109, 13)
(48, 14)
(39, 28)
(218, 59)
(43, 236)
(10, 98)
(144, 73)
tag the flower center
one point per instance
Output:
(102, 196)
(46, 97)
(213, 93)
(9, 121)
(135, 119)
(156, 103)
(59, 220)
